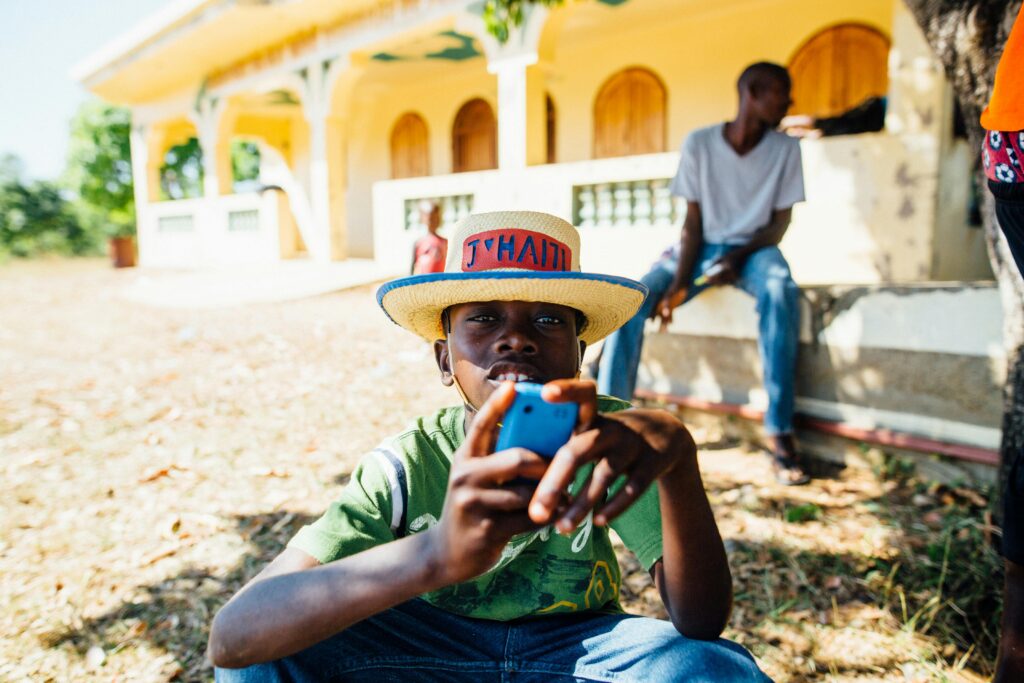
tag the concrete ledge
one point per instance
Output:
(921, 361)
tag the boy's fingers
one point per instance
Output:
(560, 474)
(591, 495)
(626, 496)
(482, 431)
(505, 466)
(503, 499)
(581, 392)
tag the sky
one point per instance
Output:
(40, 41)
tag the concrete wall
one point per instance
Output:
(924, 360)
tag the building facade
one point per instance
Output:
(362, 108)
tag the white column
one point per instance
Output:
(319, 188)
(207, 122)
(140, 185)
(210, 221)
(512, 114)
(316, 105)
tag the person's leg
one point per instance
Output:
(767, 278)
(622, 648)
(1010, 214)
(1010, 664)
(413, 641)
(620, 355)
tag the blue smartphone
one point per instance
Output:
(536, 424)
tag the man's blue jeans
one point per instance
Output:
(765, 276)
(416, 642)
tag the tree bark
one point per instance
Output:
(968, 38)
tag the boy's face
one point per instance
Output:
(493, 341)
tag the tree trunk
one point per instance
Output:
(968, 38)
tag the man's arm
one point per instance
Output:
(769, 235)
(691, 239)
(295, 602)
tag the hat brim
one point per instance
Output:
(607, 301)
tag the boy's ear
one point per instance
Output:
(444, 363)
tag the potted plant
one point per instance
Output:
(122, 246)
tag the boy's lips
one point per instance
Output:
(513, 372)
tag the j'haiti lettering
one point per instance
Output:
(514, 248)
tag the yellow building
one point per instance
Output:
(361, 108)
(580, 113)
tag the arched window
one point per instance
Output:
(839, 68)
(549, 127)
(410, 149)
(629, 115)
(474, 138)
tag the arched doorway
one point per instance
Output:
(839, 68)
(410, 147)
(474, 138)
(629, 115)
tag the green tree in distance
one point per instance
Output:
(36, 217)
(99, 169)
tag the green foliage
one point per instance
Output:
(501, 16)
(181, 175)
(36, 217)
(99, 168)
(802, 513)
(245, 161)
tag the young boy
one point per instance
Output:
(440, 563)
(431, 250)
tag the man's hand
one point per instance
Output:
(480, 515)
(672, 300)
(639, 445)
(724, 271)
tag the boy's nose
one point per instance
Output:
(517, 340)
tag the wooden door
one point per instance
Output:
(629, 115)
(838, 69)
(410, 147)
(474, 138)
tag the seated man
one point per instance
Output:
(740, 180)
(440, 562)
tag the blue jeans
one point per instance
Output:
(765, 276)
(416, 642)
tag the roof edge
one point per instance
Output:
(125, 45)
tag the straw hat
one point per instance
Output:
(512, 256)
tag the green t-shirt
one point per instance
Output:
(540, 572)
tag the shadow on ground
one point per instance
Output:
(175, 614)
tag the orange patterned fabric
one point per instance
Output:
(1005, 110)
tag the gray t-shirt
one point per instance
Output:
(737, 194)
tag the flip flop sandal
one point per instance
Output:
(785, 466)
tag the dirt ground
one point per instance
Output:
(154, 459)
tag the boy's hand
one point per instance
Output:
(640, 445)
(480, 515)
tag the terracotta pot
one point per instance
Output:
(122, 251)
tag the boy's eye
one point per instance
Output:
(550, 320)
(482, 318)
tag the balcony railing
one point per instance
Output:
(637, 203)
(453, 209)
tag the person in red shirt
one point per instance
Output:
(1002, 156)
(430, 251)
